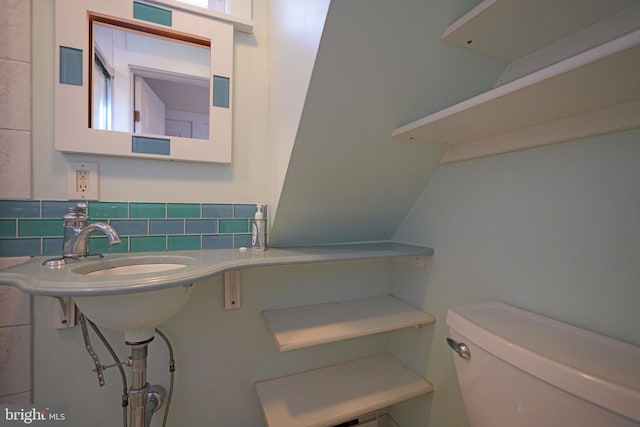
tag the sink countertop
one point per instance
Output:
(71, 279)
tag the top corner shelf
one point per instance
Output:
(511, 29)
(591, 93)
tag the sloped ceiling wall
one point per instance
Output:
(295, 30)
(380, 64)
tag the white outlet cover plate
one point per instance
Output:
(92, 192)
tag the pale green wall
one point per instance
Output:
(243, 181)
(554, 230)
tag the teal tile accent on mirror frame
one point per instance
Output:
(154, 14)
(70, 65)
(35, 227)
(221, 91)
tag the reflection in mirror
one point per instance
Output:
(220, 5)
(150, 84)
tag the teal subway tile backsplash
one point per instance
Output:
(131, 227)
(240, 240)
(148, 210)
(106, 210)
(34, 227)
(8, 228)
(184, 210)
(244, 211)
(55, 209)
(184, 243)
(217, 241)
(39, 227)
(148, 243)
(201, 226)
(233, 226)
(101, 245)
(51, 246)
(19, 209)
(166, 226)
(217, 210)
(21, 247)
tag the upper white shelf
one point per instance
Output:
(594, 92)
(300, 327)
(511, 29)
(331, 395)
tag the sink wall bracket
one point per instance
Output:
(416, 261)
(231, 281)
(63, 312)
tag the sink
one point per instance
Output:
(134, 269)
(136, 314)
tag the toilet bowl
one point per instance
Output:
(520, 369)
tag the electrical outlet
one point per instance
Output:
(83, 181)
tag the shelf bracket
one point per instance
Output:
(63, 312)
(417, 261)
(231, 281)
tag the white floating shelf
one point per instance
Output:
(331, 395)
(558, 103)
(511, 29)
(383, 421)
(299, 327)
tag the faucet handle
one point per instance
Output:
(77, 212)
(80, 208)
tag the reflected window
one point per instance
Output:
(219, 5)
(102, 85)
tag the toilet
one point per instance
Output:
(520, 369)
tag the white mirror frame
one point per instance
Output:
(72, 131)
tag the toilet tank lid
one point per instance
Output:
(596, 368)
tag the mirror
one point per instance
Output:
(143, 83)
(151, 83)
(146, 84)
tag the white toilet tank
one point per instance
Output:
(526, 370)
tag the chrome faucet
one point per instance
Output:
(76, 232)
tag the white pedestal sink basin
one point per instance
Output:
(136, 314)
(135, 269)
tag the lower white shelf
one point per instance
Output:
(334, 394)
(383, 421)
(299, 327)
